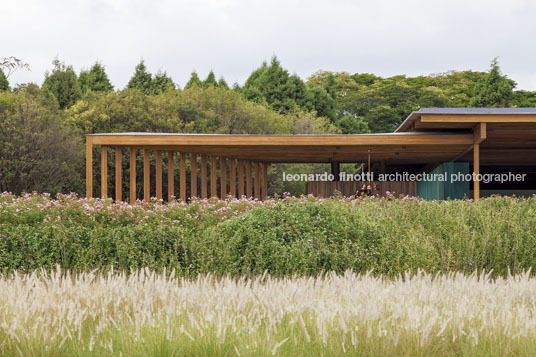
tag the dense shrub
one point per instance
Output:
(283, 236)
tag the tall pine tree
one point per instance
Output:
(141, 80)
(194, 81)
(63, 84)
(95, 79)
(493, 89)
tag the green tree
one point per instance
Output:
(222, 83)
(494, 89)
(210, 80)
(273, 86)
(161, 83)
(141, 80)
(194, 81)
(95, 79)
(63, 84)
(4, 83)
(37, 150)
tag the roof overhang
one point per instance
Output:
(409, 148)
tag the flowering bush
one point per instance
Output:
(284, 235)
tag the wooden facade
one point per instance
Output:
(239, 163)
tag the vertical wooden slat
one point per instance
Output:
(118, 174)
(249, 189)
(89, 167)
(257, 180)
(223, 177)
(158, 167)
(183, 176)
(232, 177)
(203, 176)
(264, 180)
(240, 178)
(213, 179)
(104, 171)
(146, 176)
(193, 175)
(132, 175)
(476, 171)
(171, 176)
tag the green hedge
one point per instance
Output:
(285, 236)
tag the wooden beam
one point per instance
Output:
(213, 177)
(264, 180)
(158, 166)
(249, 189)
(171, 177)
(182, 178)
(146, 176)
(118, 174)
(204, 176)
(232, 177)
(240, 178)
(89, 166)
(410, 138)
(104, 171)
(476, 171)
(193, 175)
(479, 133)
(223, 177)
(132, 176)
(257, 180)
(478, 118)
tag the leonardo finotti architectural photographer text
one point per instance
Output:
(406, 176)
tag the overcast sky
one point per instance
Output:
(233, 37)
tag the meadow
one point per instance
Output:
(158, 314)
(286, 276)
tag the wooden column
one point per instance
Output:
(480, 134)
(213, 179)
(171, 176)
(193, 175)
(182, 169)
(249, 189)
(158, 166)
(132, 175)
(223, 177)
(104, 171)
(89, 167)
(240, 178)
(476, 171)
(146, 176)
(232, 177)
(204, 176)
(118, 174)
(257, 180)
(264, 180)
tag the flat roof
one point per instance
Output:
(429, 135)
(465, 115)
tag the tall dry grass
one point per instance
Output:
(144, 313)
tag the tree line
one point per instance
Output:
(41, 127)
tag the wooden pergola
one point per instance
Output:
(426, 139)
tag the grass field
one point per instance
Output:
(147, 313)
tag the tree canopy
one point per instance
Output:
(493, 89)
(4, 83)
(273, 86)
(95, 79)
(63, 84)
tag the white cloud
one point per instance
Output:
(233, 37)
